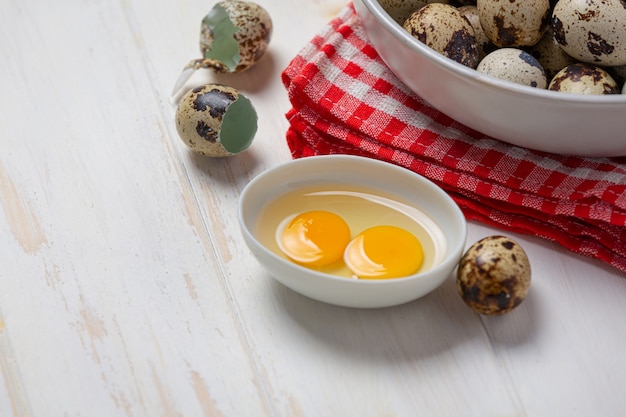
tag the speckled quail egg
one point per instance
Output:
(216, 120)
(514, 23)
(550, 55)
(444, 29)
(485, 46)
(400, 10)
(583, 78)
(592, 31)
(493, 276)
(514, 65)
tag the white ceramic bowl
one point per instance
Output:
(383, 177)
(521, 115)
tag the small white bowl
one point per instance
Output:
(377, 176)
(525, 116)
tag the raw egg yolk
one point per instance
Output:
(384, 252)
(315, 238)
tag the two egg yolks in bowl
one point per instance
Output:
(351, 233)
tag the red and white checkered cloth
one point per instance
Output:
(345, 100)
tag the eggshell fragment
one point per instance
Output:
(234, 35)
(494, 275)
(444, 29)
(216, 120)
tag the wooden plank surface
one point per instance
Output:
(126, 288)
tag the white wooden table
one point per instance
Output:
(126, 288)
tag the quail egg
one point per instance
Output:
(400, 10)
(514, 65)
(484, 44)
(493, 276)
(550, 55)
(444, 29)
(592, 31)
(216, 120)
(514, 23)
(582, 78)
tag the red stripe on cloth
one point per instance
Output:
(345, 100)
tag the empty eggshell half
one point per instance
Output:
(234, 35)
(216, 120)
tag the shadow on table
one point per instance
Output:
(430, 326)
(231, 171)
(251, 81)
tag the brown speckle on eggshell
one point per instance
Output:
(444, 29)
(494, 275)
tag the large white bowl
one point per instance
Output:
(524, 116)
(383, 177)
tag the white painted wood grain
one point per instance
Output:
(127, 290)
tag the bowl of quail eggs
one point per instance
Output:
(547, 75)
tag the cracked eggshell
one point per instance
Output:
(234, 35)
(216, 120)
(514, 65)
(444, 29)
(583, 78)
(514, 23)
(592, 31)
(493, 276)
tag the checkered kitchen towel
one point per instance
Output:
(345, 100)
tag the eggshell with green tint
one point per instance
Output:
(216, 120)
(234, 35)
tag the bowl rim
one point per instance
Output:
(454, 250)
(389, 24)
